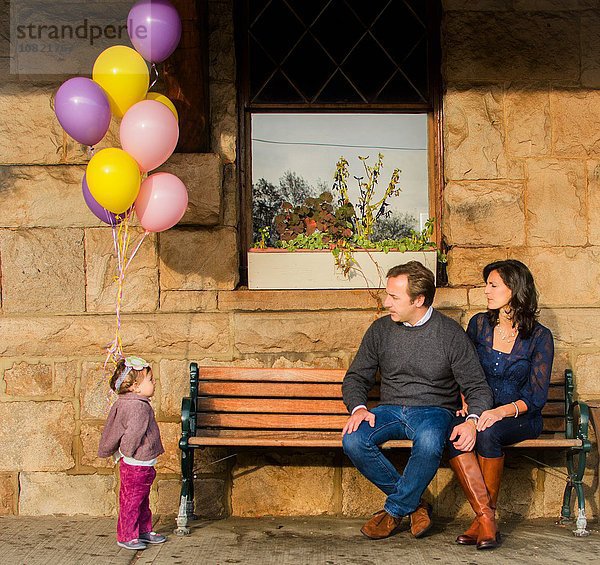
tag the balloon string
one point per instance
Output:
(91, 151)
(122, 242)
(155, 70)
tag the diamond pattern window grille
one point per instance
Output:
(358, 52)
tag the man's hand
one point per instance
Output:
(463, 436)
(356, 418)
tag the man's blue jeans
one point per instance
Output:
(427, 426)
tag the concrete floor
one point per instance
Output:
(297, 541)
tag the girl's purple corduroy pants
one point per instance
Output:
(135, 517)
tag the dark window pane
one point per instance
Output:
(399, 89)
(309, 67)
(368, 11)
(368, 67)
(339, 91)
(415, 67)
(255, 7)
(398, 31)
(338, 30)
(262, 67)
(277, 30)
(308, 10)
(278, 88)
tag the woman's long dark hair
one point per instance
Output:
(524, 301)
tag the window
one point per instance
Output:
(330, 78)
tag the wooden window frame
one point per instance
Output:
(245, 109)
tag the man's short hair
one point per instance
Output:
(420, 280)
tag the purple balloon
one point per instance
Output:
(98, 211)
(83, 110)
(154, 27)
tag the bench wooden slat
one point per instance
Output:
(278, 375)
(262, 438)
(556, 393)
(272, 406)
(284, 390)
(273, 421)
(302, 406)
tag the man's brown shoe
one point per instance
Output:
(420, 520)
(381, 525)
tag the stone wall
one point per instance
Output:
(522, 180)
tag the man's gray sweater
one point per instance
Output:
(428, 365)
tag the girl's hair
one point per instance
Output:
(524, 301)
(134, 376)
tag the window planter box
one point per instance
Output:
(312, 269)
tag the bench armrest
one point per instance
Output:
(188, 421)
(583, 422)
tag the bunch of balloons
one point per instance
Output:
(149, 128)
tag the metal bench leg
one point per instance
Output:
(187, 480)
(581, 524)
(190, 499)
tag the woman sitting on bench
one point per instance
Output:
(516, 353)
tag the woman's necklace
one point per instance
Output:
(504, 336)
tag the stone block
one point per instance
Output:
(188, 301)
(90, 438)
(170, 460)
(36, 436)
(230, 196)
(24, 379)
(34, 134)
(549, 266)
(185, 335)
(465, 265)
(575, 122)
(221, 43)
(474, 136)
(480, 5)
(477, 298)
(528, 131)
(174, 384)
(42, 270)
(35, 196)
(484, 213)
(360, 497)
(590, 49)
(274, 300)
(299, 331)
(572, 327)
(9, 493)
(140, 285)
(593, 181)
(65, 375)
(554, 5)
(556, 202)
(95, 395)
(562, 361)
(283, 485)
(446, 297)
(202, 175)
(167, 497)
(198, 259)
(223, 111)
(587, 383)
(209, 498)
(520, 494)
(43, 494)
(542, 46)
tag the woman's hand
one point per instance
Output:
(464, 411)
(489, 418)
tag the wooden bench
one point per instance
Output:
(242, 407)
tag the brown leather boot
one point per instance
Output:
(467, 470)
(381, 525)
(491, 469)
(420, 520)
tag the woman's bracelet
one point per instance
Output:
(516, 408)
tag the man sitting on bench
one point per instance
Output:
(425, 361)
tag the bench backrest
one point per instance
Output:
(233, 398)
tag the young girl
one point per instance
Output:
(131, 434)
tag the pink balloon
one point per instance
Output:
(149, 133)
(162, 201)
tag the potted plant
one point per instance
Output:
(327, 241)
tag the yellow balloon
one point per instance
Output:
(123, 74)
(113, 178)
(163, 100)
